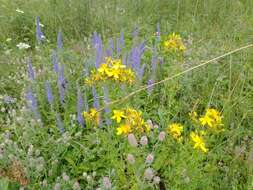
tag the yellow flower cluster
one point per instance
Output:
(174, 42)
(212, 119)
(130, 121)
(112, 69)
(175, 130)
(92, 116)
(198, 142)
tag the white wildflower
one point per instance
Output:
(22, 45)
(19, 11)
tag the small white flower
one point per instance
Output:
(22, 45)
(149, 174)
(107, 183)
(149, 159)
(144, 140)
(161, 136)
(130, 159)
(132, 140)
(19, 11)
(8, 39)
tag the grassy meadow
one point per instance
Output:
(126, 94)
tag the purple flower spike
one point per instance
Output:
(98, 45)
(118, 42)
(150, 88)
(106, 101)
(95, 98)
(142, 48)
(154, 62)
(80, 104)
(30, 69)
(39, 35)
(59, 41)
(59, 123)
(50, 97)
(61, 84)
(141, 72)
(108, 53)
(55, 61)
(111, 44)
(32, 103)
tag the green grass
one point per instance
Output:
(209, 27)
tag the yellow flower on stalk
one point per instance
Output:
(174, 42)
(123, 129)
(212, 119)
(112, 69)
(92, 116)
(206, 120)
(118, 115)
(176, 129)
(103, 69)
(199, 142)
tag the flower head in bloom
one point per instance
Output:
(118, 115)
(130, 120)
(176, 129)
(212, 119)
(174, 42)
(123, 129)
(22, 45)
(111, 69)
(199, 142)
(92, 116)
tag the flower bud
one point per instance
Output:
(156, 180)
(149, 159)
(149, 174)
(144, 140)
(130, 159)
(106, 182)
(132, 140)
(161, 136)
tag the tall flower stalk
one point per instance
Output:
(32, 103)
(39, 35)
(80, 104)
(107, 109)
(31, 74)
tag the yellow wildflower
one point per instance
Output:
(212, 118)
(118, 115)
(199, 142)
(92, 116)
(174, 42)
(123, 129)
(103, 69)
(175, 129)
(112, 69)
